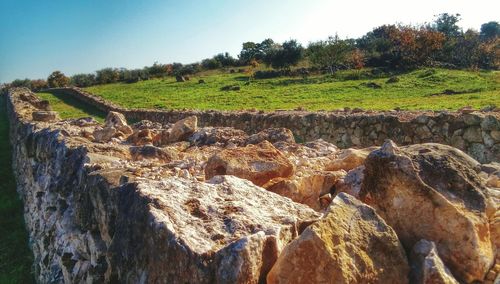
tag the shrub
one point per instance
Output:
(57, 80)
(107, 75)
(83, 80)
(284, 56)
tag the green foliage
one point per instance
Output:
(447, 24)
(490, 30)
(15, 256)
(255, 51)
(107, 75)
(83, 80)
(412, 91)
(329, 54)
(285, 55)
(57, 80)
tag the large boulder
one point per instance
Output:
(351, 244)
(117, 120)
(180, 131)
(427, 267)
(433, 192)
(224, 231)
(257, 163)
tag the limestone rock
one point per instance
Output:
(306, 188)
(45, 116)
(180, 131)
(141, 137)
(349, 159)
(258, 163)
(427, 267)
(183, 128)
(272, 135)
(225, 231)
(117, 120)
(351, 183)
(433, 192)
(104, 134)
(351, 244)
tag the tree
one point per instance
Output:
(39, 84)
(284, 56)
(107, 75)
(328, 54)
(26, 83)
(357, 59)
(211, 63)
(57, 80)
(255, 51)
(83, 80)
(447, 24)
(490, 30)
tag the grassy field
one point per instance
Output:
(15, 256)
(418, 90)
(68, 107)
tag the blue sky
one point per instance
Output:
(40, 36)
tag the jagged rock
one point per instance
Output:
(272, 135)
(218, 135)
(141, 137)
(45, 116)
(427, 267)
(433, 192)
(349, 159)
(224, 231)
(104, 134)
(180, 131)
(306, 188)
(117, 120)
(351, 244)
(258, 163)
(352, 182)
(183, 128)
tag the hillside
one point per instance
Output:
(425, 89)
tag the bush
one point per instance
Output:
(107, 75)
(83, 80)
(57, 80)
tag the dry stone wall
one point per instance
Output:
(163, 203)
(476, 133)
(93, 216)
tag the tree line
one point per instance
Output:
(441, 43)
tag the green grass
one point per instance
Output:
(68, 107)
(15, 256)
(415, 91)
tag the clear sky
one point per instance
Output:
(40, 36)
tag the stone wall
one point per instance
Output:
(92, 219)
(477, 133)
